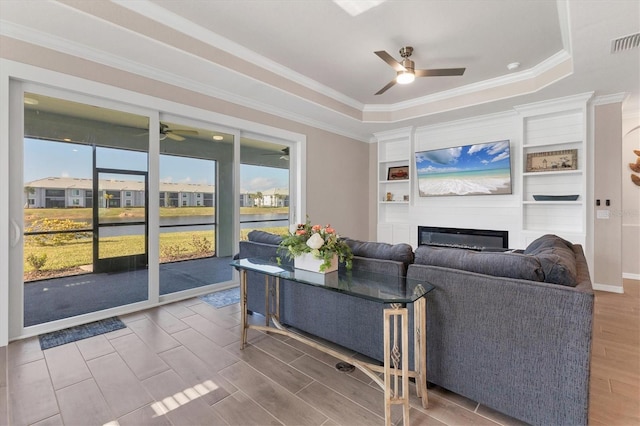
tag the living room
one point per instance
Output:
(153, 59)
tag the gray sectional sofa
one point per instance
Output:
(511, 331)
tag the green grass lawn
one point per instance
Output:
(77, 253)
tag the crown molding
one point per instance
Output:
(153, 11)
(610, 99)
(158, 14)
(553, 105)
(72, 48)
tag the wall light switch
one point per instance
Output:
(602, 214)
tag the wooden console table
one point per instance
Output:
(379, 288)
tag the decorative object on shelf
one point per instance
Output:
(635, 167)
(555, 197)
(322, 245)
(405, 198)
(552, 161)
(389, 197)
(398, 173)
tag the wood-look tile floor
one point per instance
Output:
(180, 364)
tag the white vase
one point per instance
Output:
(308, 262)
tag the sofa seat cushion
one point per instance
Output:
(510, 265)
(397, 252)
(557, 258)
(264, 237)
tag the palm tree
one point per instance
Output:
(259, 197)
(27, 191)
(107, 198)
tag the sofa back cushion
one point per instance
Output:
(264, 237)
(398, 252)
(557, 258)
(510, 265)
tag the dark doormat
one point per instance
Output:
(79, 332)
(222, 298)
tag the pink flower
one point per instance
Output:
(301, 232)
(330, 230)
(316, 228)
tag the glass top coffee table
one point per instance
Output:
(394, 292)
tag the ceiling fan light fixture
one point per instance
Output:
(218, 137)
(405, 77)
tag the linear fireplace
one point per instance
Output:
(474, 239)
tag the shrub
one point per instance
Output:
(170, 252)
(37, 262)
(202, 245)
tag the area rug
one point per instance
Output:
(222, 298)
(79, 332)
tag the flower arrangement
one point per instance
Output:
(322, 242)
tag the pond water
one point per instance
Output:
(182, 224)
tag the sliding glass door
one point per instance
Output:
(193, 254)
(115, 208)
(85, 218)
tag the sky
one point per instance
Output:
(59, 159)
(485, 156)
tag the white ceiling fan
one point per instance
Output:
(174, 134)
(284, 154)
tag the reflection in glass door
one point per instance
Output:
(120, 219)
(195, 246)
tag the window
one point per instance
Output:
(127, 194)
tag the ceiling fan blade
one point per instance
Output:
(387, 87)
(183, 132)
(389, 59)
(443, 72)
(175, 137)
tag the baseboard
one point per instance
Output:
(630, 276)
(609, 288)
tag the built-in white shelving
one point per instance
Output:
(394, 150)
(552, 127)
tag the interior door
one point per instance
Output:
(120, 218)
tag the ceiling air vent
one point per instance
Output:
(625, 43)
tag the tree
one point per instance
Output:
(259, 197)
(28, 190)
(107, 198)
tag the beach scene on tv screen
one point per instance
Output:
(480, 169)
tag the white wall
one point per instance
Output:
(630, 198)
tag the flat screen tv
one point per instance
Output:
(481, 169)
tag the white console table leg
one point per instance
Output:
(396, 361)
(420, 348)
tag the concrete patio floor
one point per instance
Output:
(58, 298)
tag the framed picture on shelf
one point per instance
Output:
(553, 161)
(398, 173)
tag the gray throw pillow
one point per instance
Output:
(548, 240)
(509, 265)
(401, 252)
(264, 237)
(557, 259)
